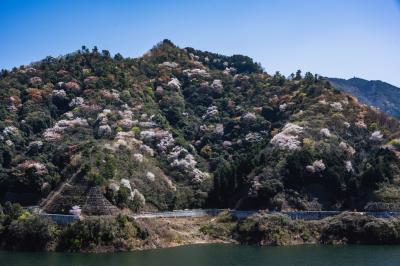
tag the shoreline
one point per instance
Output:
(124, 234)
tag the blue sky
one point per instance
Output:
(341, 38)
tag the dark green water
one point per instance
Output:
(219, 255)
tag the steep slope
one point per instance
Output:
(376, 93)
(182, 128)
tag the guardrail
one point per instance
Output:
(295, 215)
(392, 214)
(179, 213)
(63, 219)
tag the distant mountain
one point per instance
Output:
(377, 93)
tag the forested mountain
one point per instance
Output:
(376, 93)
(183, 128)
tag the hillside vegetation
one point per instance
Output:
(182, 128)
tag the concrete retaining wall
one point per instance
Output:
(61, 219)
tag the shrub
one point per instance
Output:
(388, 193)
(12, 211)
(395, 143)
(93, 232)
(275, 229)
(33, 233)
(352, 228)
(223, 226)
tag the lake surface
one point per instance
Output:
(219, 255)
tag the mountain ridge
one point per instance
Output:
(376, 93)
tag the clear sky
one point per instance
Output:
(338, 38)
